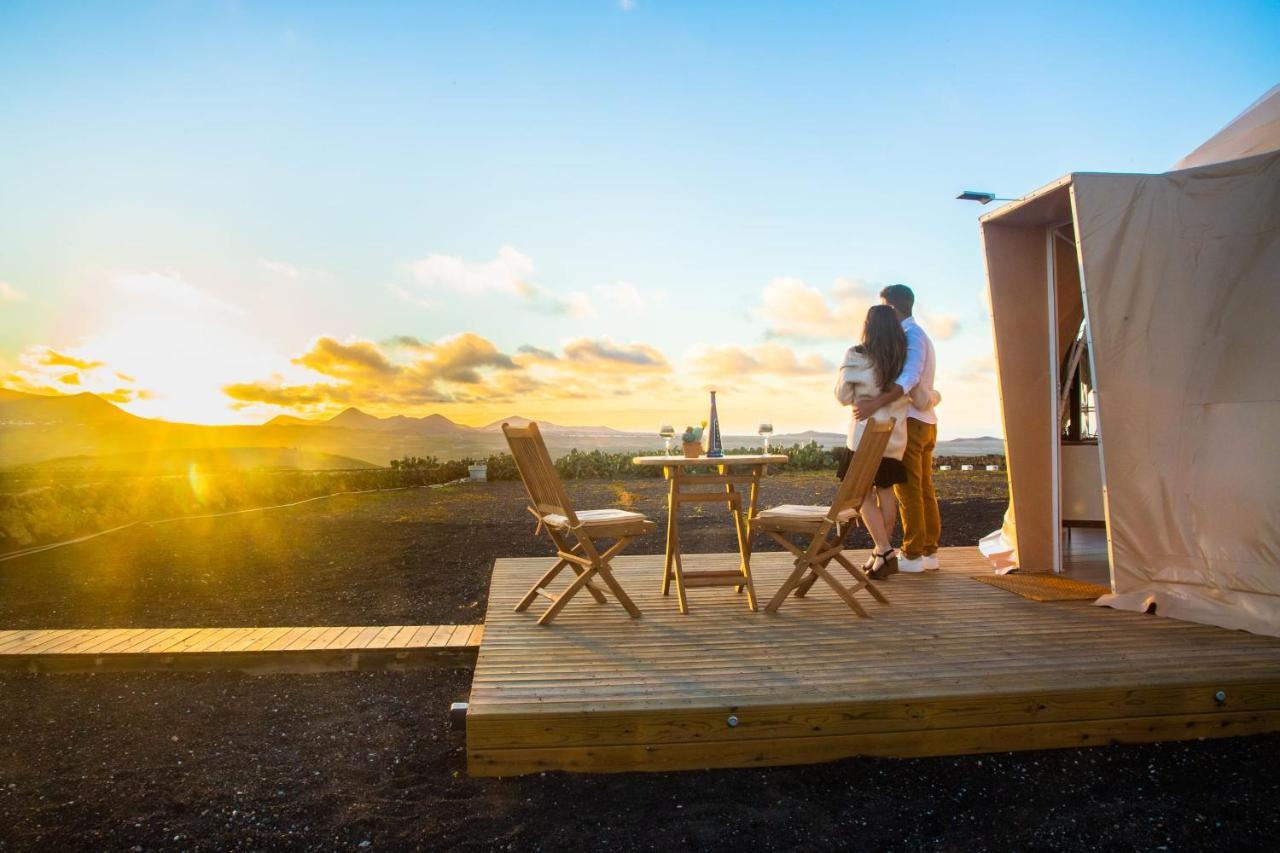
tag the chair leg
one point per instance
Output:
(561, 545)
(554, 571)
(807, 584)
(863, 580)
(541, 584)
(787, 585)
(570, 591)
(601, 565)
(840, 590)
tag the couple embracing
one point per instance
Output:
(890, 375)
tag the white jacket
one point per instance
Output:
(857, 381)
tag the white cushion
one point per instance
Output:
(804, 513)
(595, 517)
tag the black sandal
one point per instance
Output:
(883, 565)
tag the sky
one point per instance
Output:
(584, 212)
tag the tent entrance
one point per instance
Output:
(1077, 472)
(1056, 521)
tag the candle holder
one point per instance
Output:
(764, 432)
(667, 432)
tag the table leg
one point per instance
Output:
(668, 561)
(756, 473)
(735, 512)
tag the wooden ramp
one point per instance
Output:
(299, 649)
(949, 666)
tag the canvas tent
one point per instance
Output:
(1173, 282)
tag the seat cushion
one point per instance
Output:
(800, 512)
(595, 518)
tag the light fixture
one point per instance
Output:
(981, 197)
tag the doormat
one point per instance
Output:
(1045, 587)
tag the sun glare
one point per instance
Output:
(180, 356)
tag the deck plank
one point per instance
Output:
(949, 665)
(262, 649)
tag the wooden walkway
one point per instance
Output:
(950, 666)
(300, 649)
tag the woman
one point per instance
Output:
(869, 369)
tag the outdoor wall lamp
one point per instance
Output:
(980, 197)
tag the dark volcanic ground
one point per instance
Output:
(168, 761)
(421, 556)
(223, 761)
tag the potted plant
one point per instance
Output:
(692, 441)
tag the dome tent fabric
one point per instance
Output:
(1254, 131)
(1178, 276)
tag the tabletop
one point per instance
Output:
(734, 459)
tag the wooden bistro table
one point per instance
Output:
(689, 486)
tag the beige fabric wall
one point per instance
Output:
(1016, 274)
(1182, 276)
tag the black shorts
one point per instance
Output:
(890, 473)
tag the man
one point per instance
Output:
(921, 523)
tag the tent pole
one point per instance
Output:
(1055, 462)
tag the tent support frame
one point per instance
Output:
(1055, 425)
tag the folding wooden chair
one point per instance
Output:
(550, 504)
(817, 522)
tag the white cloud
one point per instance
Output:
(734, 362)
(793, 309)
(9, 293)
(941, 327)
(625, 295)
(510, 274)
(172, 290)
(412, 299)
(626, 5)
(280, 268)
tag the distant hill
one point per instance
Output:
(290, 420)
(548, 427)
(985, 445)
(35, 428)
(216, 459)
(17, 408)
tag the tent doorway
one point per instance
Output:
(1078, 493)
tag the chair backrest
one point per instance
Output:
(862, 469)
(541, 479)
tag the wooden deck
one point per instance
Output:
(298, 649)
(950, 666)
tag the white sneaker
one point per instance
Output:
(930, 562)
(907, 564)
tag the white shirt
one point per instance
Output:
(918, 370)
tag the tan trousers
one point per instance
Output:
(921, 523)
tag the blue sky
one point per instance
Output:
(198, 196)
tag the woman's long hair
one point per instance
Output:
(884, 342)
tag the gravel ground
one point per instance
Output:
(223, 761)
(165, 761)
